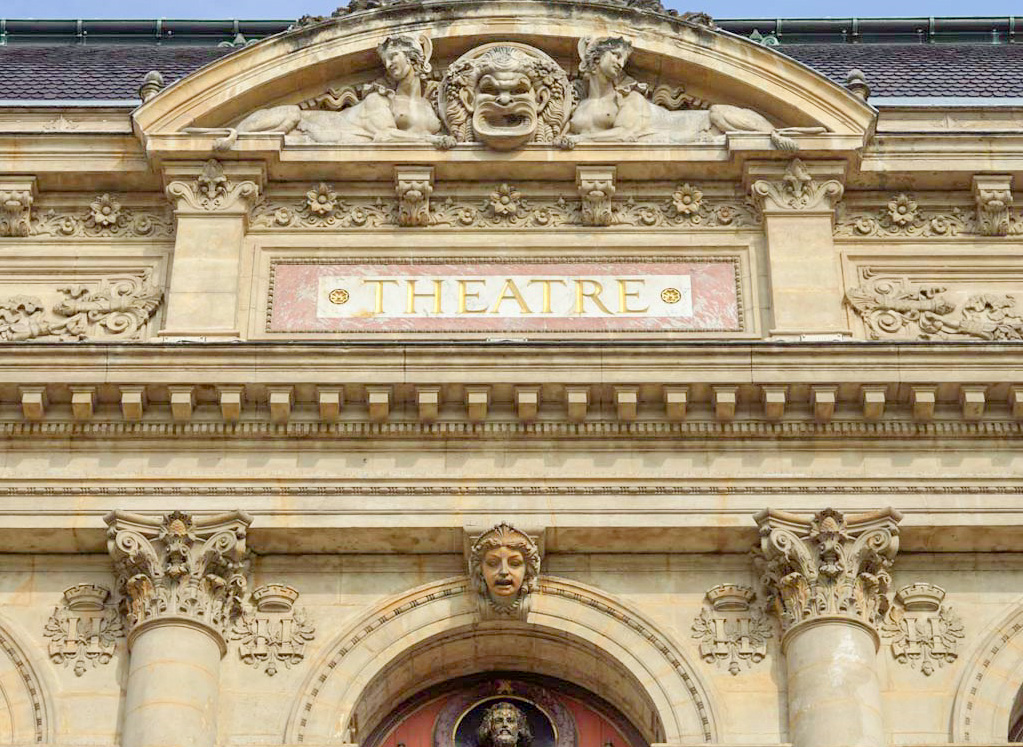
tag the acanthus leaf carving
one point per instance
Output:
(902, 215)
(180, 566)
(84, 629)
(797, 190)
(213, 190)
(122, 306)
(731, 629)
(413, 187)
(893, 307)
(921, 629)
(993, 195)
(15, 210)
(272, 632)
(827, 565)
(324, 208)
(596, 190)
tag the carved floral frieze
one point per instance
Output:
(895, 308)
(118, 307)
(105, 216)
(903, 215)
(505, 205)
(178, 565)
(827, 565)
(84, 629)
(272, 632)
(921, 629)
(732, 629)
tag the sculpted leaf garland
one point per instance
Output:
(105, 216)
(324, 208)
(902, 216)
(895, 307)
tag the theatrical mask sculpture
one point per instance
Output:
(504, 565)
(505, 95)
(615, 108)
(504, 725)
(392, 110)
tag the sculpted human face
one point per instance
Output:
(504, 726)
(505, 113)
(612, 63)
(504, 570)
(397, 63)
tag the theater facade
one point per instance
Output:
(507, 373)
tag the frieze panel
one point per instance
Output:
(118, 307)
(898, 308)
(106, 216)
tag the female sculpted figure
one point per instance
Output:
(392, 110)
(615, 109)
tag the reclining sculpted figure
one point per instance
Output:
(615, 109)
(394, 109)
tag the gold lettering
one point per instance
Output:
(624, 294)
(510, 291)
(378, 307)
(412, 296)
(593, 294)
(546, 283)
(463, 295)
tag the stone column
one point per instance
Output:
(826, 578)
(798, 203)
(181, 581)
(212, 203)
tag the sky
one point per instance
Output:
(290, 9)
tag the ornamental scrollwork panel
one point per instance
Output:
(105, 217)
(732, 629)
(896, 308)
(271, 631)
(112, 308)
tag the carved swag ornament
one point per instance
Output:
(504, 566)
(895, 307)
(180, 566)
(827, 565)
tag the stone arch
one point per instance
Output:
(24, 698)
(653, 674)
(990, 683)
(292, 66)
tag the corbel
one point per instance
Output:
(133, 402)
(17, 194)
(83, 402)
(1016, 401)
(577, 401)
(477, 400)
(873, 400)
(280, 400)
(807, 187)
(378, 402)
(33, 402)
(596, 185)
(725, 400)
(527, 402)
(428, 402)
(773, 398)
(993, 194)
(823, 399)
(413, 185)
(182, 402)
(213, 187)
(232, 399)
(330, 400)
(923, 399)
(676, 400)
(626, 402)
(973, 399)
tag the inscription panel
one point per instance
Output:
(642, 295)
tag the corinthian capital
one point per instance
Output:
(797, 190)
(179, 566)
(213, 189)
(828, 565)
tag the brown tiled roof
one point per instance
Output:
(113, 71)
